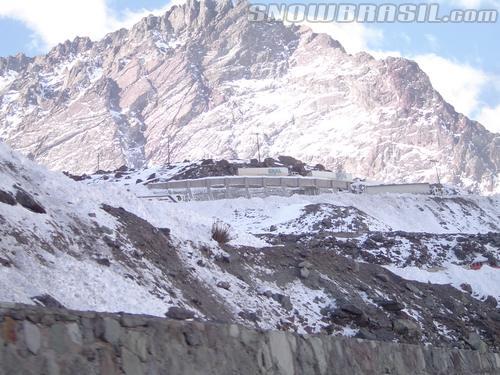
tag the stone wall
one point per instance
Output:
(36, 340)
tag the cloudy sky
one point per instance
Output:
(462, 60)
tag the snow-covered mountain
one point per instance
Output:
(201, 80)
(291, 264)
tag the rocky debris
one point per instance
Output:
(78, 178)
(491, 301)
(406, 327)
(224, 285)
(7, 198)
(103, 262)
(412, 288)
(304, 273)
(305, 269)
(206, 169)
(283, 300)
(294, 165)
(325, 294)
(250, 316)
(165, 231)
(351, 309)
(494, 315)
(466, 287)
(365, 334)
(155, 246)
(332, 219)
(179, 313)
(357, 297)
(112, 243)
(475, 342)
(305, 264)
(382, 277)
(47, 301)
(5, 262)
(398, 248)
(391, 305)
(28, 202)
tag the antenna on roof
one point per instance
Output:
(258, 145)
(169, 151)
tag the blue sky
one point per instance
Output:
(462, 60)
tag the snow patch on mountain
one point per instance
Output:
(484, 282)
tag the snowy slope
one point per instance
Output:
(56, 252)
(484, 282)
(388, 212)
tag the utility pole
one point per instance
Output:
(168, 151)
(258, 145)
(437, 170)
(98, 160)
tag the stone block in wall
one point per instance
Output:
(32, 337)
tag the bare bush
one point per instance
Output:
(221, 232)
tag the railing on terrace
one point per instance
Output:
(238, 186)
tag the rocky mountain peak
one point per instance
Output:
(13, 63)
(201, 80)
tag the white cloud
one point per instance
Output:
(129, 18)
(459, 84)
(354, 36)
(54, 21)
(490, 118)
(462, 86)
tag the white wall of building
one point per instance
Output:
(331, 175)
(271, 171)
(423, 188)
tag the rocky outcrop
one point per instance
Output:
(36, 340)
(201, 80)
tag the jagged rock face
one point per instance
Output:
(201, 80)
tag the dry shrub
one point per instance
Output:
(221, 232)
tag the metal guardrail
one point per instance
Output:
(247, 186)
(208, 185)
